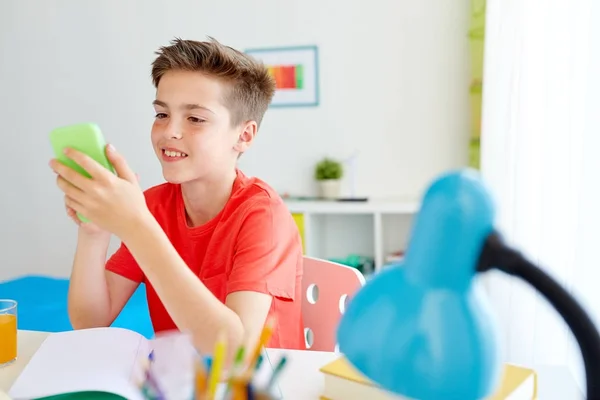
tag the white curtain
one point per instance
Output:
(540, 156)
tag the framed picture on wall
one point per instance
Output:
(296, 73)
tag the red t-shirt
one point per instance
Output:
(252, 244)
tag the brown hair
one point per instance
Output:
(251, 87)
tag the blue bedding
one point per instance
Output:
(42, 305)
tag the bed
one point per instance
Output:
(42, 305)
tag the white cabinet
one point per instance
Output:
(336, 229)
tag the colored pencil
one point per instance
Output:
(217, 365)
(259, 362)
(236, 368)
(262, 341)
(249, 391)
(239, 358)
(153, 385)
(149, 385)
(239, 390)
(276, 372)
(201, 380)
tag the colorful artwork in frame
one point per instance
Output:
(296, 73)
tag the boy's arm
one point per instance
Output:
(96, 296)
(252, 308)
(266, 264)
(192, 306)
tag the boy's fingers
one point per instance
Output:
(120, 164)
(68, 174)
(87, 163)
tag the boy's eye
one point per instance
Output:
(196, 120)
(161, 115)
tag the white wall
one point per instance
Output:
(586, 274)
(394, 79)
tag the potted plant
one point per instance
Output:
(328, 174)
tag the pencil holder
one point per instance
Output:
(241, 389)
(174, 369)
(264, 396)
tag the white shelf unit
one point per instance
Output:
(335, 229)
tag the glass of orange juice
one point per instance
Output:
(8, 332)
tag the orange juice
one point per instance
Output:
(8, 338)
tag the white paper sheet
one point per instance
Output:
(113, 360)
(101, 359)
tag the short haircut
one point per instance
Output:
(250, 87)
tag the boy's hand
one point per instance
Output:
(87, 227)
(113, 203)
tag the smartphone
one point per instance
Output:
(86, 138)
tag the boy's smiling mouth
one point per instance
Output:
(172, 154)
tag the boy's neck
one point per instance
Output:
(204, 199)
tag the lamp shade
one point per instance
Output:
(423, 329)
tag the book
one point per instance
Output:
(344, 382)
(112, 363)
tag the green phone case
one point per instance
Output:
(86, 138)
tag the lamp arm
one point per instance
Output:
(497, 255)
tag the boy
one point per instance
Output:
(218, 251)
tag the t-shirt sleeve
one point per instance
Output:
(122, 263)
(267, 251)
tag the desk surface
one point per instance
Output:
(555, 383)
(300, 363)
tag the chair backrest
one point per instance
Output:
(327, 288)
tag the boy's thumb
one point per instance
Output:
(120, 165)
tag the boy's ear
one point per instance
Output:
(246, 137)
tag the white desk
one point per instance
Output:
(28, 342)
(303, 364)
(301, 379)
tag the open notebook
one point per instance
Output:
(111, 361)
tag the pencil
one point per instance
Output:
(151, 381)
(264, 338)
(239, 359)
(276, 372)
(239, 389)
(201, 380)
(235, 369)
(259, 362)
(249, 391)
(145, 365)
(217, 365)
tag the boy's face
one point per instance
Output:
(192, 134)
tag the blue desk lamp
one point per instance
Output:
(423, 330)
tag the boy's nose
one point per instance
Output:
(173, 131)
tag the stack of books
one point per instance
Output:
(344, 382)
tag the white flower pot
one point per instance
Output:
(329, 189)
